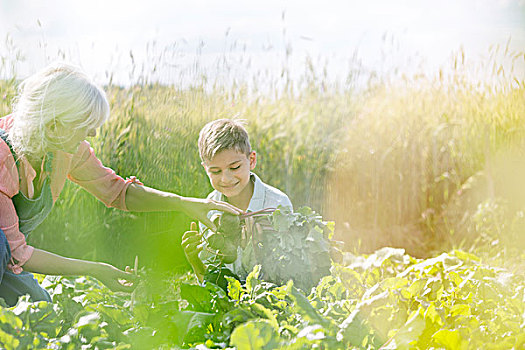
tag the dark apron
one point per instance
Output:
(31, 213)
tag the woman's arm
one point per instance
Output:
(143, 198)
(87, 171)
(52, 264)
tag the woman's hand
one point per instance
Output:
(47, 263)
(115, 279)
(198, 209)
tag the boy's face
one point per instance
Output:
(229, 171)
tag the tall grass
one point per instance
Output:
(405, 161)
(410, 152)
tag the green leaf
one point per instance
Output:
(316, 241)
(281, 221)
(88, 325)
(330, 227)
(255, 335)
(432, 314)
(253, 279)
(198, 297)
(465, 256)
(303, 306)
(305, 211)
(238, 315)
(455, 278)
(354, 329)
(408, 334)
(394, 283)
(248, 258)
(89, 318)
(112, 312)
(234, 288)
(451, 339)
(261, 310)
(414, 289)
(141, 313)
(459, 309)
(386, 253)
(190, 326)
(217, 276)
(8, 341)
(452, 263)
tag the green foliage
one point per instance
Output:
(230, 226)
(288, 245)
(387, 160)
(420, 162)
(217, 274)
(294, 245)
(386, 300)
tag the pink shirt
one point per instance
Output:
(82, 168)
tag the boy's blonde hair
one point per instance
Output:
(223, 134)
(59, 94)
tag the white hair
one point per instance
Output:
(60, 94)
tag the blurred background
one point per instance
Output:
(158, 40)
(402, 121)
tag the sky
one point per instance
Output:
(168, 41)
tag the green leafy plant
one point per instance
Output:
(288, 245)
(385, 300)
(291, 245)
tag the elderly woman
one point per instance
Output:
(42, 143)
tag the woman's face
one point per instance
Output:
(66, 138)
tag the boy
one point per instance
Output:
(228, 159)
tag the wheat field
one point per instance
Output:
(426, 162)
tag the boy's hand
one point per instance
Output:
(198, 209)
(191, 243)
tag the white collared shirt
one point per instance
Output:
(264, 196)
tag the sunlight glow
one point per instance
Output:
(100, 35)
